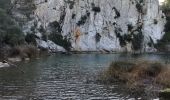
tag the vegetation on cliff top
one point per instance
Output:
(166, 4)
(161, 46)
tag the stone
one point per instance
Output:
(50, 46)
(15, 59)
(54, 47)
(2, 65)
(26, 59)
(98, 25)
(42, 44)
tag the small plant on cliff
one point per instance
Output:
(116, 12)
(31, 39)
(82, 20)
(98, 37)
(96, 9)
(155, 21)
(161, 45)
(55, 27)
(71, 4)
(137, 41)
(60, 40)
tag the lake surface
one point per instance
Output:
(66, 77)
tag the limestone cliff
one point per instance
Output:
(94, 25)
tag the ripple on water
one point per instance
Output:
(63, 77)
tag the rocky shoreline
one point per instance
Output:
(28, 52)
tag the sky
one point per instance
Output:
(161, 0)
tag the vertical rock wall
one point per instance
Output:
(98, 25)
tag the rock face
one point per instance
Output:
(51, 46)
(94, 25)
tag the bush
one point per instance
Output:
(26, 7)
(116, 12)
(161, 45)
(140, 73)
(166, 5)
(24, 51)
(10, 32)
(55, 26)
(82, 20)
(31, 39)
(96, 9)
(60, 40)
(4, 52)
(166, 37)
(98, 37)
(137, 40)
(167, 25)
(4, 4)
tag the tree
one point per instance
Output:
(166, 5)
(10, 32)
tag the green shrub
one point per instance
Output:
(55, 26)
(4, 52)
(98, 37)
(96, 9)
(10, 32)
(116, 12)
(4, 4)
(60, 40)
(166, 37)
(11, 36)
(31, 39)
(161, 45)
(137, 40)
(71, 4)
(166, 5)
(14, 36)
(82, 20)
(167, 29)
(139, 7)
(27, 7)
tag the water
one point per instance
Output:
(66, 77)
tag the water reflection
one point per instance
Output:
(62, 77)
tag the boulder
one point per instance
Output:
(4, 65)
(54, 47)
(15, 59)
(50, 46)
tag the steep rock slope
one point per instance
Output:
(94, 25)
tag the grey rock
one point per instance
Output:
(99, 25)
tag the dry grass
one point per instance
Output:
(4, 52)
(164, 77)
(139, 73)
(24, 51)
